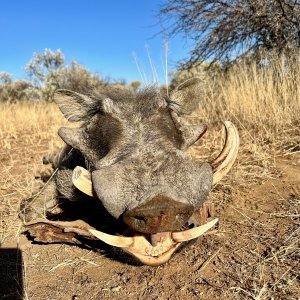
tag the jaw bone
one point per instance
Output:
(157, 253)
(152, 250)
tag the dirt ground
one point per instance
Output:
(253, 253)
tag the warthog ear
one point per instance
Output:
(184, 100)
(185, 97)
(75, 106)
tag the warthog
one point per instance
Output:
(130, 153)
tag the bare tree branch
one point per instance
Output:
(221, 29)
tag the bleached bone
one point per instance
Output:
(141, 246)
(149, 254)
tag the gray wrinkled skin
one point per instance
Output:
(134, 144)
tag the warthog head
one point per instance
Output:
(135, 146)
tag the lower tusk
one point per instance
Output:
(223, 163)
(193, 233)
(113, 240)
(81, 178)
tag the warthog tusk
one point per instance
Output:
(140, 242)
(187, 235)
(223, 163)
(113, 240)
(153, 254)
(81, 178)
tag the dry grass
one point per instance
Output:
(263, 101)
(33, 123)
(252, 255)
(27, 132)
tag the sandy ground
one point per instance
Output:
(253, 253)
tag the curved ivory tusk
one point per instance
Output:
(223, 163)
(81, 178)
(113, 240)
(193, 233)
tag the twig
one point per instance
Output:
(207, 262)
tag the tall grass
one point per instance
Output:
(264, 98)
(28, 124)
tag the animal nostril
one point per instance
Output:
(160, 214)
(140, 220)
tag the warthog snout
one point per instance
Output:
(160, 214)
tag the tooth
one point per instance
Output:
(113, 240)
(193, 233)
(155, 261)
(81, 178)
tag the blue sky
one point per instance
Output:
(101, 35)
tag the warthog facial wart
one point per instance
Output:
(129, 155)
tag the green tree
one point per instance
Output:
(77, 78)
(18, 90)
(44, 69)
(135, 84)
(5, 78)
(49, 72)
